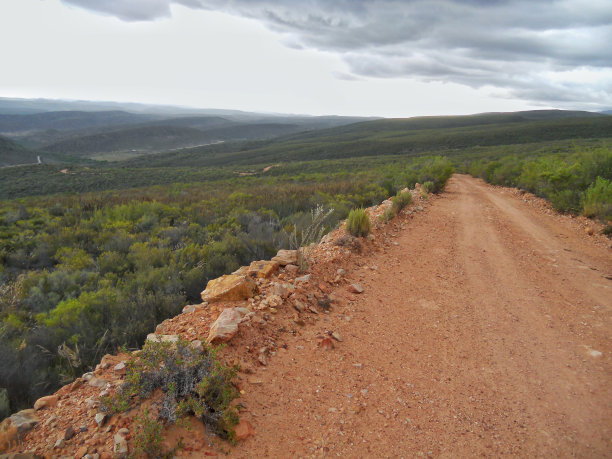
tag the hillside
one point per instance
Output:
(12, 154)
(146, 138)
(411, 136)
(446, 344)
(69, 120)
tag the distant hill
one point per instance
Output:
(150, 138)
(69, 120)
(398, 136)
(12, 154)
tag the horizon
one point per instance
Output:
(187, 108)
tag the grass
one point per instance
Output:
(358, 223)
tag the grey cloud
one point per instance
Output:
(509, 44)
(127, 10)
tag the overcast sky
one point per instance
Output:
(346, 57)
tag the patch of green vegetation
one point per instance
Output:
(358, 223)
(597, 201)
(564, 178)
(193, 382)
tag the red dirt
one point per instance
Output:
(472, 338)
(485, 331)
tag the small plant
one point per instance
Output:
(148, 440)
(388, 214)
(400, 201)
(192, 381)
(303, 240)
(429, 187)
(358, 223)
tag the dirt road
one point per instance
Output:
(486, 331)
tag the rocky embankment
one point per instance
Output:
(251, 310)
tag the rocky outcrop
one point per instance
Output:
(286, 257)
(14, 428)
(262, 269)
(231, 287)
(226, 325)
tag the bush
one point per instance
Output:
(598, 200)
(400, 201)
(429, 187)
(193, 382)
(358, 223)
(388, 214)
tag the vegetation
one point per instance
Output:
(193, 382)
(358, 223)
(93, 256)
(574, 182)
(597, 201)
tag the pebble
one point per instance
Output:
(337, 336)
(100, 419)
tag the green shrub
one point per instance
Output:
(388, 214)
(598, 200)
(429, 187)
(358, 223)
(193, 382)
(400, 201)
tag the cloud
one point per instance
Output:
(524, 47)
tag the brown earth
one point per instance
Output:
(484, 328)
(473, 337)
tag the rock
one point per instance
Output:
(304, 278)
(262, 269)
(589, 230)
(15, 427)
(299, 306)
(45, 402)
(244, 430)
(154, 338)
(120, 447)
(326, 344)
(286, 257)
(595, 354)
(197, 345)
(98, 382)
(69, 433)
(82, 451)
(355, 288)
(292, 269)
(419, 208)
(274, 301)
(119, 368)
(100, 419)
(254, 380)
(336, 336)
(282, 290)
(87, 376)
(229, 288)
(189, 308)
(76, 384)
(225, 327)
(341, 272)
(60, 443)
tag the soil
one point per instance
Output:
(480, 326)
(485, 331)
